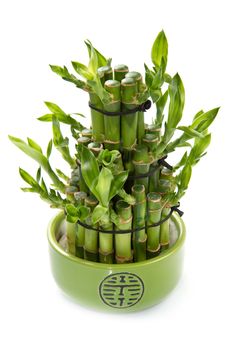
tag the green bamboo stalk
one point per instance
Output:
(95, 147)
(139, 214)
(106, 251)
(129, 121)
(74, 179)
(70, 235)
(151, 141)
(112, 123)
(80, 230)
(105, 73)
(120, 71)
(91, 236)
(165, 187)
(165, 229)
(97, 118)
(123, 241)
(154, 208)
(84, 140)
(140, 126)
(142, 160)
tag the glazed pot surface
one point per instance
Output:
(117, 287)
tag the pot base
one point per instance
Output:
(124, 287)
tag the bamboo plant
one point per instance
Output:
(118, 197)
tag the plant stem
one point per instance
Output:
(139, 213)
(91, 236)
(165, 231)
(106, 252)
(97, 118)
(95, 147)
(112, 123)
(123, 241)
(140, 124)
(154, 207)
(129, 121)
(120, 71)
(70, 235)
(142, 160)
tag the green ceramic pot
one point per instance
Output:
(124, 287)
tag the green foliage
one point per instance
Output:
(76, 213)
(159, 50)
(61, 143)
(38, 157)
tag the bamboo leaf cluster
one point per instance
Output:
(118, 177)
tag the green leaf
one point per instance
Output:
(204, 120)
(98, 213)
(198, 114)
(118, 183)
(190, 132)
(28, 178)
(49, 148)
(38, 157)
(160, 105)
(159, 50)
(43, 186)
(46, 118)
(34, 145)
(185, 176)
(38, 174)
(177, 99)
(62, 175)
(64, 73)
(54, 108)
(89, 168)
(199, 148)
(93, 62)
(182, 162)
(82, 70)
(103, 186)
(63, 118)
(128, 198)
(102, 61)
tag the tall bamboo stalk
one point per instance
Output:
(154, 208)
(139, 214)
(140, 125)
(112, 123)
(123, 241)
(91, 236)
(129, 121)
(105, 73)
(120, 71)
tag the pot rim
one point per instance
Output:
(54, 245)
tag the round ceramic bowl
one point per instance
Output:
(117, 287)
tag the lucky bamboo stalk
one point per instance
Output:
(165, 186)
(140, 125)
(80, 230)
(154, 208)
(142, 160)
(120, 71)
(97, 118)
(123, 241)
(129, 121)
(70, 226)
(106, 252)
(105, 73)
(112, 123)
(139, 214)
(91, 236)
(95, 147)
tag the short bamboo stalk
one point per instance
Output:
(79, 229)
(91, 235)
(154, 208)
(123, 249)
(139, 214)
(97, 118)
(120, 71)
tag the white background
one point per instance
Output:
(34, 313)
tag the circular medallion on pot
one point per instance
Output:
(121, 290)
